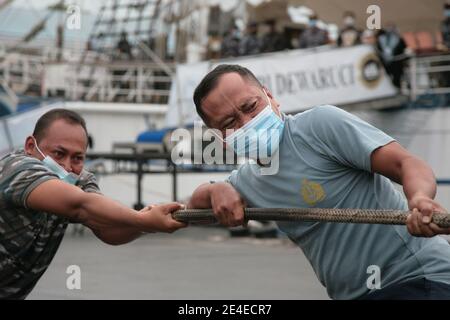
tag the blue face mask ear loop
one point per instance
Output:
(220, 137)
(74, 177)
(270, 104)
(42, 154)
(37, 147)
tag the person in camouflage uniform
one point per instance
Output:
(445, 26)
(37, 202)
(250, 43)
(231, 43)
(273, 41)
(313, 36)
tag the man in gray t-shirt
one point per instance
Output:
(328, 158)
(43, 187)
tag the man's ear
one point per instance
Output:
(269, 94)
(29, 146)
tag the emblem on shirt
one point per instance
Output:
(312, 192)
(371, 71)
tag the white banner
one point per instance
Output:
(181, 104)
(298, 79)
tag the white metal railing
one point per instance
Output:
(92, 76)
(429, 75)
(72, 55)
(141, 82)
(81, 75)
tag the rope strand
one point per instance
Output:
(368, 216)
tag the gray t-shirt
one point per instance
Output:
(29, 239)
(325, 163)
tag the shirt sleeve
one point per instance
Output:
(344, 137)
(20, 178)
(232, 177)
(88, 182)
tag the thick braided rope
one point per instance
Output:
(391, 217)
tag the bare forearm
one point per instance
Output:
(117, 236)
(99, 212)
(201, 198)
(93, 210)
(417, 178)
(225, 201)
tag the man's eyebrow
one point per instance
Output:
(241, 105)
(67, 151)
(61, 148)
(80, 153)
(220, 121)
(247, 102)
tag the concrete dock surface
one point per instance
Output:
(193, 263)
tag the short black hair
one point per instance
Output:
(210, 81)
(349, 14)
(51, 116)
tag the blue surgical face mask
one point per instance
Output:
(447, 13)
(258, 138)
(54, 167)
(349, 21)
